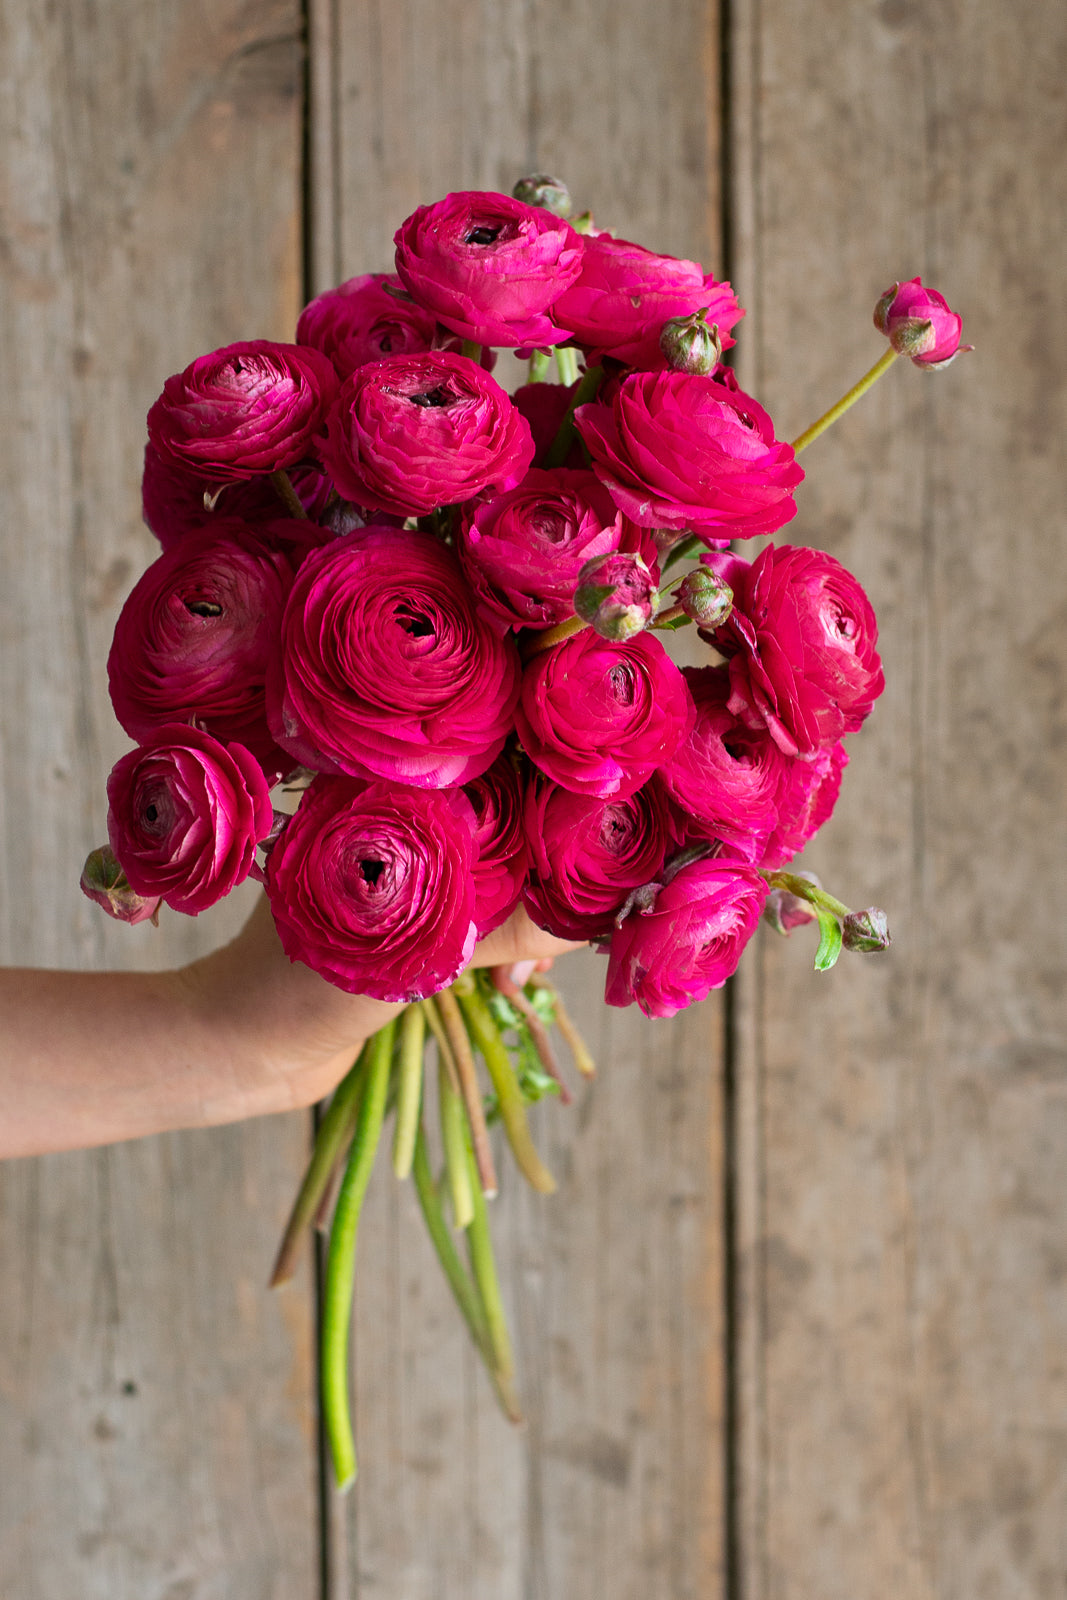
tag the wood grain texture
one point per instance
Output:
(154, 1401)
(903, 1128)
(615, 1485)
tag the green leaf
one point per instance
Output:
(829, 941)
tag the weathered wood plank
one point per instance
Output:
(614, 1284)
(154, 1401)
(904, 1125)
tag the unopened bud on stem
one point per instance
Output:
(104, 881)
(539, 189)
(705, 598)
(614, 595)
(690, 345)
(866, 931)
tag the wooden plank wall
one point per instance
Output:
(156, 1427)
(903, 1125)
(891, 1323)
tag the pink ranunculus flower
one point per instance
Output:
(522, 551)
(246, 409)
(410, 433)
(544, 405)
(371, 885)
(173, 497)
(500, 842)
(809, 794)
(598, 718)
(689, 942)
(198, 630)
(919, 323)
(801, 644)
(386, 670)
(185, 815)
(725, 776)
(680, 451)
(587, 854)
(624, 294)
(489, 267)
(365, 319)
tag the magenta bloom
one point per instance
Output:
(246, 409)
(587, 854)
(624, 294)
(385, 668)
(919, 323)
(410, 433)
(544, 405)
(185, 816)
(680, 451)
(809, 794)
(598, 718)
(726, 776)
(173, 505)
(363, 320)
(500, 843)
(371, 885)
(801, 645)
(489, 267)
(691, 940)
(197, 632)
(522, 551)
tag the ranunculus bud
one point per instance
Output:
(705, 598)
(614, 595)
(785, 911)
(920, 324)
(551, 194)
(864, 931)
(104, 881)
(690, 345)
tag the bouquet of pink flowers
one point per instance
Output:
(437, 612)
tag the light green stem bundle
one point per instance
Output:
(341, 1261)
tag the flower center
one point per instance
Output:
(372, 871)
(621, 679)
(414, 622)
(431, 397)
(203, 608)
(483, 234)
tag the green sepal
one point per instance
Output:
(829, 940)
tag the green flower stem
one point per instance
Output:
(454, 1140)
(483, 1266)
(592, 378)
(831, 416)
(567, 364)
(341, 1261)
(463, 1056)
(335, 1128)
(447, 1254)
(540, 366)
(691, 545)
(472, 348)
(804, 889)
(444, 1049)
(534, 643)
(409, 1088)
(668, 615)
(282, 485)
(484, 1032)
